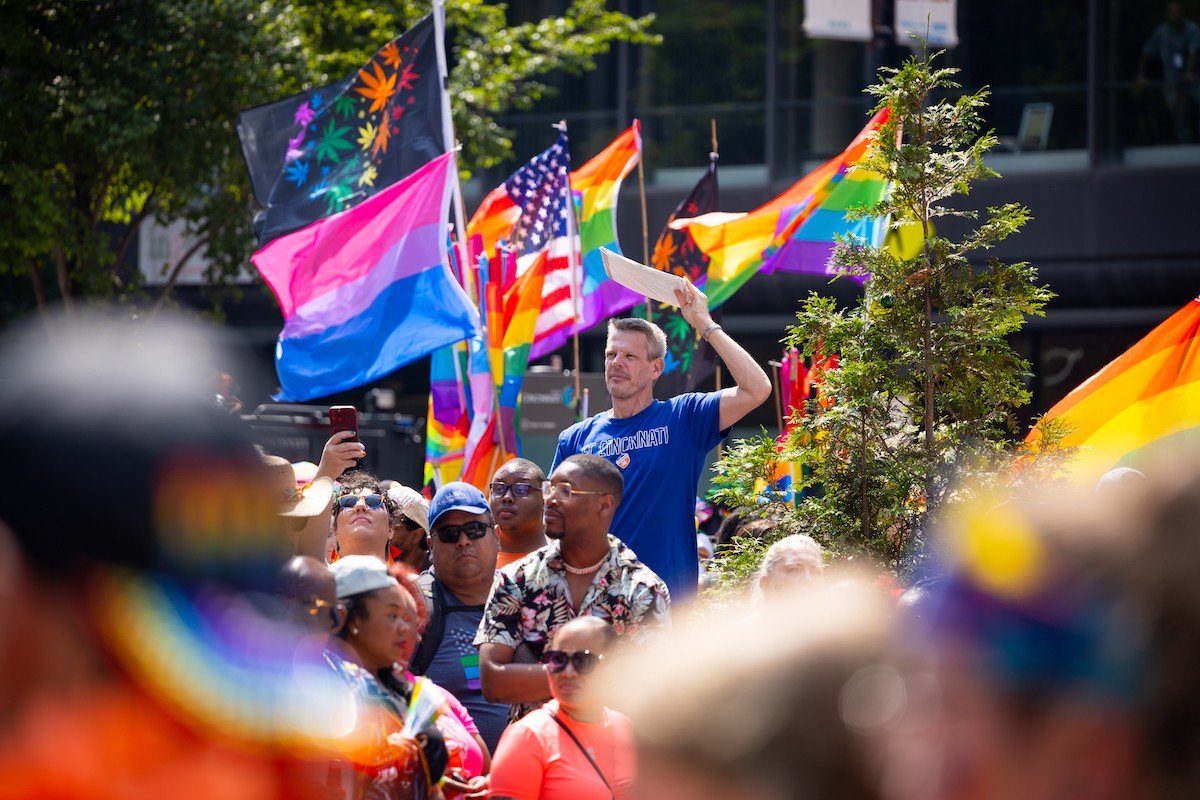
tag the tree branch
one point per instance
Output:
(39, 288)
(135, 224)
(64, 277)
(174, 276)
(97, 202)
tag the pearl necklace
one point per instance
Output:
(585, 570)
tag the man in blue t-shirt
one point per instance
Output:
(660, 447)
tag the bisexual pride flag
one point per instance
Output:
(368, 290)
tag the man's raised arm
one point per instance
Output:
(752, 386)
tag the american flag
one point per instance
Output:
(540, 189)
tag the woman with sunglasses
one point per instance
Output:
(574, 747)
(362, 521)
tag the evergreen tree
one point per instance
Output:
(920, 412)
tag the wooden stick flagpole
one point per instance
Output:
(573, 266)
(645, 224)
(460, 214)
(778, 395)
(720, 444)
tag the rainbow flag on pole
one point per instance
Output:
(449, 417)
(1147, 399)
(594, 189)
(795, 231)
(570, 305)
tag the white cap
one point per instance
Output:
(359, 574)
(411, 504)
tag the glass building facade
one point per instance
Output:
(1089, 144)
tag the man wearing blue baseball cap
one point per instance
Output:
(463, 544)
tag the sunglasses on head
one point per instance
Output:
(474, 530)
(518, 489)
(351, 500)
(584, 660)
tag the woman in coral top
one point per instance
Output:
(573, 748)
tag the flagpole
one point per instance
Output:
(645, 227)
(449, 140)
(778, 395)
(711, 156)
(573, 268)
(720, 444)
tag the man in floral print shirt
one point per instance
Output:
(585, 570)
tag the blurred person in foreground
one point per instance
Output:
(379, 633)
(465, 545)
(365, 750)
(574, 747)
(142, 653)
(584, 571)
(1064, 647)
(516, 503)
(733, 706)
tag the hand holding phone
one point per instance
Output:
(344, 418)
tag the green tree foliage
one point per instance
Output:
(919, 415)
(116, 111)
(119, 111)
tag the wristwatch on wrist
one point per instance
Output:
(704, 334)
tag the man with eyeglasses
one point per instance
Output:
(516, 492)
(584, 571)
(661, 447)
(463, 545)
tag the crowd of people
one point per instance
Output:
(188, 619)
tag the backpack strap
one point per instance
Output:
(435, 630)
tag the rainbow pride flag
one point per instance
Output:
(594, 189)
(475, 386)
(1145, 401)
(522, 304)
(795, 231)
(368, 290)
(448, 417)
(571, 304)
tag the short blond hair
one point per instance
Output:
(656, 340)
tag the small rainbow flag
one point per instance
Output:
(795, 231)
(1146, 400)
